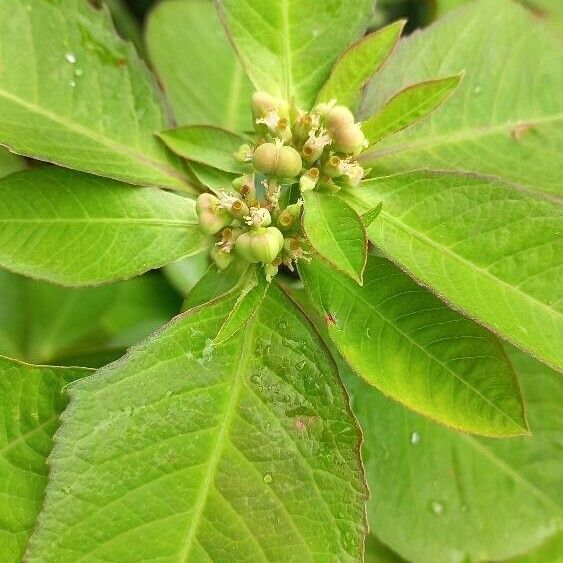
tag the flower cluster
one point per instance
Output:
(258, 218)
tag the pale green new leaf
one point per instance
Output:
(289, 46)
(336, 232)
(506, 118)
(31, 400)
(197, 66)
(403, 340)
(358, 63)
(408, 107)
(72, 92)
(184, 451)
(42, 323)
(75, 229)
(206, 145)
(251, 294)
(463, 498)
(493, 250)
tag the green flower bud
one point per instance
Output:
(350, 139)
(243, 247)
(289, 216)
(212, 218)
(263, 103)
(309, 180)
(338, 117)
(243, 154)
(244, 185)
(277, 159)
(261, 245)
(220, 258)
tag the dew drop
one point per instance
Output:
(78, 72)
(368, 333)
(415, 438)
(66, 490)
(268, 478)
(437, 507)
(70, 58)
(72, 84)
(477, 89)
(299, 366)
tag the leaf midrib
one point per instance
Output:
(430, 355)
(509, 470)
(215, 457)
(321, 215)
(466, 263)
(110, 144)
(469, 134)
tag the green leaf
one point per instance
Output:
(184, 274)
(490, 249)
(212, 178)
(206, 145)
(188, 452)
(43, 323)
(500, 122)
(377, 552)
(75, 229)
(406, 342)
(125, 23)
(72, 92)
(31, 400)
(289, 47)
(10, 163)
(336, 232)
(251, 295)
(408, 107)
(358, 63)
(548, 552)
(197, 65)
(216, 283)
(463, 498)
(370, 216)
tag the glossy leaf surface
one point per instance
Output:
(31, 400)
(403, 340)
(336, 232)
(490, 249)
(72, 92)
(288, 46)
(180, 442)
(75, 229)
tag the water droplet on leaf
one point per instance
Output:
(415, 438)
(437, 507)
(268, 478)
(70, 58)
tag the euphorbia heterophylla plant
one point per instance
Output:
(377, 212)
